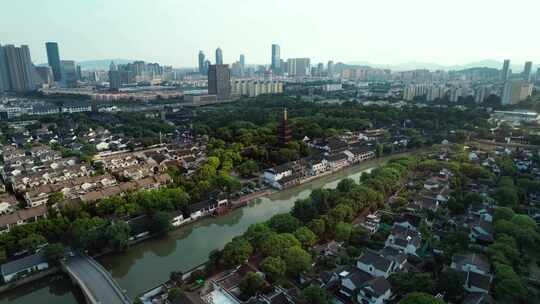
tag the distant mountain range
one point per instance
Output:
(104, 64)
(414, 65)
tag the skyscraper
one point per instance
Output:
(114, 77)
(219, 56)
(330, 69)
(17, 72)
(276, 58)
(53, 58)
(298, 66)
(219, 80)
(505, 73)
(202, 71)
(242, 60)
(526, 75)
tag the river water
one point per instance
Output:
(149, 263)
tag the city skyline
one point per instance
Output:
(417, 28)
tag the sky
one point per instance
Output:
(173, 31)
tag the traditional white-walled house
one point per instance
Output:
(471, 262)
(272, 176)
(406, 240)
(375, 264)
(23, 267)
(374, 291)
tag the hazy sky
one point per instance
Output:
(380, 31)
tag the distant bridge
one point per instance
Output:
(96, 283)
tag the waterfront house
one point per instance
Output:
(272, 176)
(338, 161)
(22, 267)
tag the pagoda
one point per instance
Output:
(284, 131)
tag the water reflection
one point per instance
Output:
(149, 263)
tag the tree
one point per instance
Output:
(277, 244)
(306, 237)
(315, 295)
(236, 252)
(450, 283)
(248, 168)
(284, 222)
(305, 210)
(32, 242)
(174, 294)
(318, 226)
(273, 267)
(420, 298)
(161, 222)
(117, 234)
(503, 213)
(252, 284)
(55, 198)
(405, 282)
(87, 232)
(343, 231)
(507, 196)
(507, 284)
(256, 233)
(297, 260)
(346, 185)
(54, 251)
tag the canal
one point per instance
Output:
(149, 263)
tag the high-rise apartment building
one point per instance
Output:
(298, 67)
(69, 73)
(276, 58)
(526, 75)
(219, 56)
(202, 71)
(516, 91)
(505, 73)
(17, 73)
(45, 74)
(219, 80)
(53, 58)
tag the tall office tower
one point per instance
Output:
(276, 58)
(242, 61)
(219, 56)
(538, 75)
(219, 80)
(516, 91)
(330, 69)
(69, 73)
(298, 67)
(114, 78)
(53, 58)
(505, 73)
(17, 68)
(526, 75)
(201, 63)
